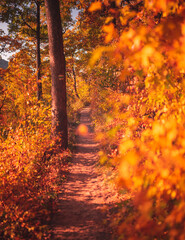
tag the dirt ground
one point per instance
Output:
(85, 196)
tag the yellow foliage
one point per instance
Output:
(111, 32)
(95, 6)
(96, 55)
(124, 146)
(131, 158)
(142, 127)
(124, 170)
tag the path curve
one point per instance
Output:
(82, 203)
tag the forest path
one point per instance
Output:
(84, 196)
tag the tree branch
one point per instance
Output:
(3, 48)
(28, 25)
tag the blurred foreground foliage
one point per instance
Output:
(140, 117)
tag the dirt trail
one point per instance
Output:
(85, 195)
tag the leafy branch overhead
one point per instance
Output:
(142, 128)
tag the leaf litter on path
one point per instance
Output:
(84, 198)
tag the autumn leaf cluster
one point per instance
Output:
(141, 128)
(31, 165)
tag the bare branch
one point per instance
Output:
(3, 48)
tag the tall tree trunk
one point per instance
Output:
(74, 76)
(38, 65)
(58, 73)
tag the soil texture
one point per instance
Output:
(85, 196)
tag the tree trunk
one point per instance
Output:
(57, 64)
(74, 76)
(38, 65)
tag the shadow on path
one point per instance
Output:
(83, 197)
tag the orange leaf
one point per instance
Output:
(95, 6)
(111, 32)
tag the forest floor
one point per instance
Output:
(86, 198)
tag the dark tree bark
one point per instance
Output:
(74, 76)
(38, 58)
(57, 64)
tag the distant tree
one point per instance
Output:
(21, 17)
